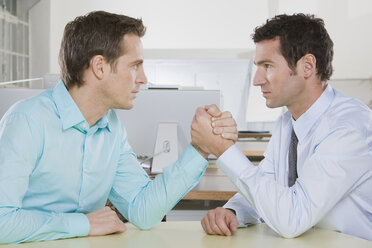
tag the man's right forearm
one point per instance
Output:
(19, 225)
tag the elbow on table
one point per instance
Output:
(145, 224)
(145, 221)
(289, 233)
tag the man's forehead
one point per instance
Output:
(266, 50)
(268, 45)
(131, 46)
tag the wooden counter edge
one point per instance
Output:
(209, 195)
(250, 153)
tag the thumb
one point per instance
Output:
(233, 225)
(213, 110)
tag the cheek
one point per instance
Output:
(127, 83)
(133, 75)
(272, 78)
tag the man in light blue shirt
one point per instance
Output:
(317, 169)
(64, 152)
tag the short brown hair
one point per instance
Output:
(97, 33)
(300, 34)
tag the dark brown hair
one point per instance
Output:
(97, 33)
(299, 35)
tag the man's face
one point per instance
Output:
(280, 86)
(123, 83)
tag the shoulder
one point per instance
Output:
(348, 113)
(28, 116)
(35, 107)
(347, 121)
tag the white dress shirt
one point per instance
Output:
(334, 163)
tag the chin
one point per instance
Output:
(128, 106)
(271, 105)
(268, 104)
(125, 106)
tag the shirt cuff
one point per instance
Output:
(245, 214)
(233, 162)
(78, 224)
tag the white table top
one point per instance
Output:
(191, 235)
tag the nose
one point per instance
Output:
(259, 77)
(141, 77)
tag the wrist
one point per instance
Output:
(200, 151)
(223, 147)
(232, 210)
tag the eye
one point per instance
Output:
(267, 66)
(135, 67)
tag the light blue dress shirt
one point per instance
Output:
(54, 168)
(334, 164)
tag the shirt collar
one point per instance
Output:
(69, 112)
(104, 122)
(307, 120)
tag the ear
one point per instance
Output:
(309, 65)
(98, 66)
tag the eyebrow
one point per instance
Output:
(263, 62)
(137, 62)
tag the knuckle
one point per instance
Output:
(211, 212)
(212, 107)
(226, 114)
(199, 110)
(219, 209)
(215, 228)
(227, 136)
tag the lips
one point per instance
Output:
(265, 93)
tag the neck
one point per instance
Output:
(88, 102)
(311, 94)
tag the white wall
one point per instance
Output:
(348, 23)
(177, 25)
(215, 29)
(40, 53)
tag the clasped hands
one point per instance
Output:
(213, 131)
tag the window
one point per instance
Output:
(14, 47)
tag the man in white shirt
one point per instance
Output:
(317, 169)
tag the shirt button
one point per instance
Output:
(85, 170)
